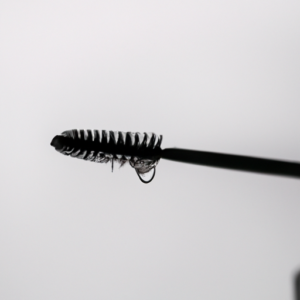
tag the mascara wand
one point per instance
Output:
(143, 152)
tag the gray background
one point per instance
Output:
(219, 76)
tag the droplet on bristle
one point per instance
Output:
(146, 177)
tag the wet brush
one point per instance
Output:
(143, 152)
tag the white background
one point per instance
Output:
(218, 76)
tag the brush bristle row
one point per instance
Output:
(142, 151)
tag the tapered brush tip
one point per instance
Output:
(58, 142)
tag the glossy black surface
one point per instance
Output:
(233, 162)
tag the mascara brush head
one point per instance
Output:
(141, 151)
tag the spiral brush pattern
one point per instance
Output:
(142, 151)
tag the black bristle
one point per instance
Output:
(111, 146)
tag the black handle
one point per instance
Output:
(234, 162)
(297, 286)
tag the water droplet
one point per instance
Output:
(146, 177)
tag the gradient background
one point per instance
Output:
(219, 76)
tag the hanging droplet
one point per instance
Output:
(146, 177)
(145, 168)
